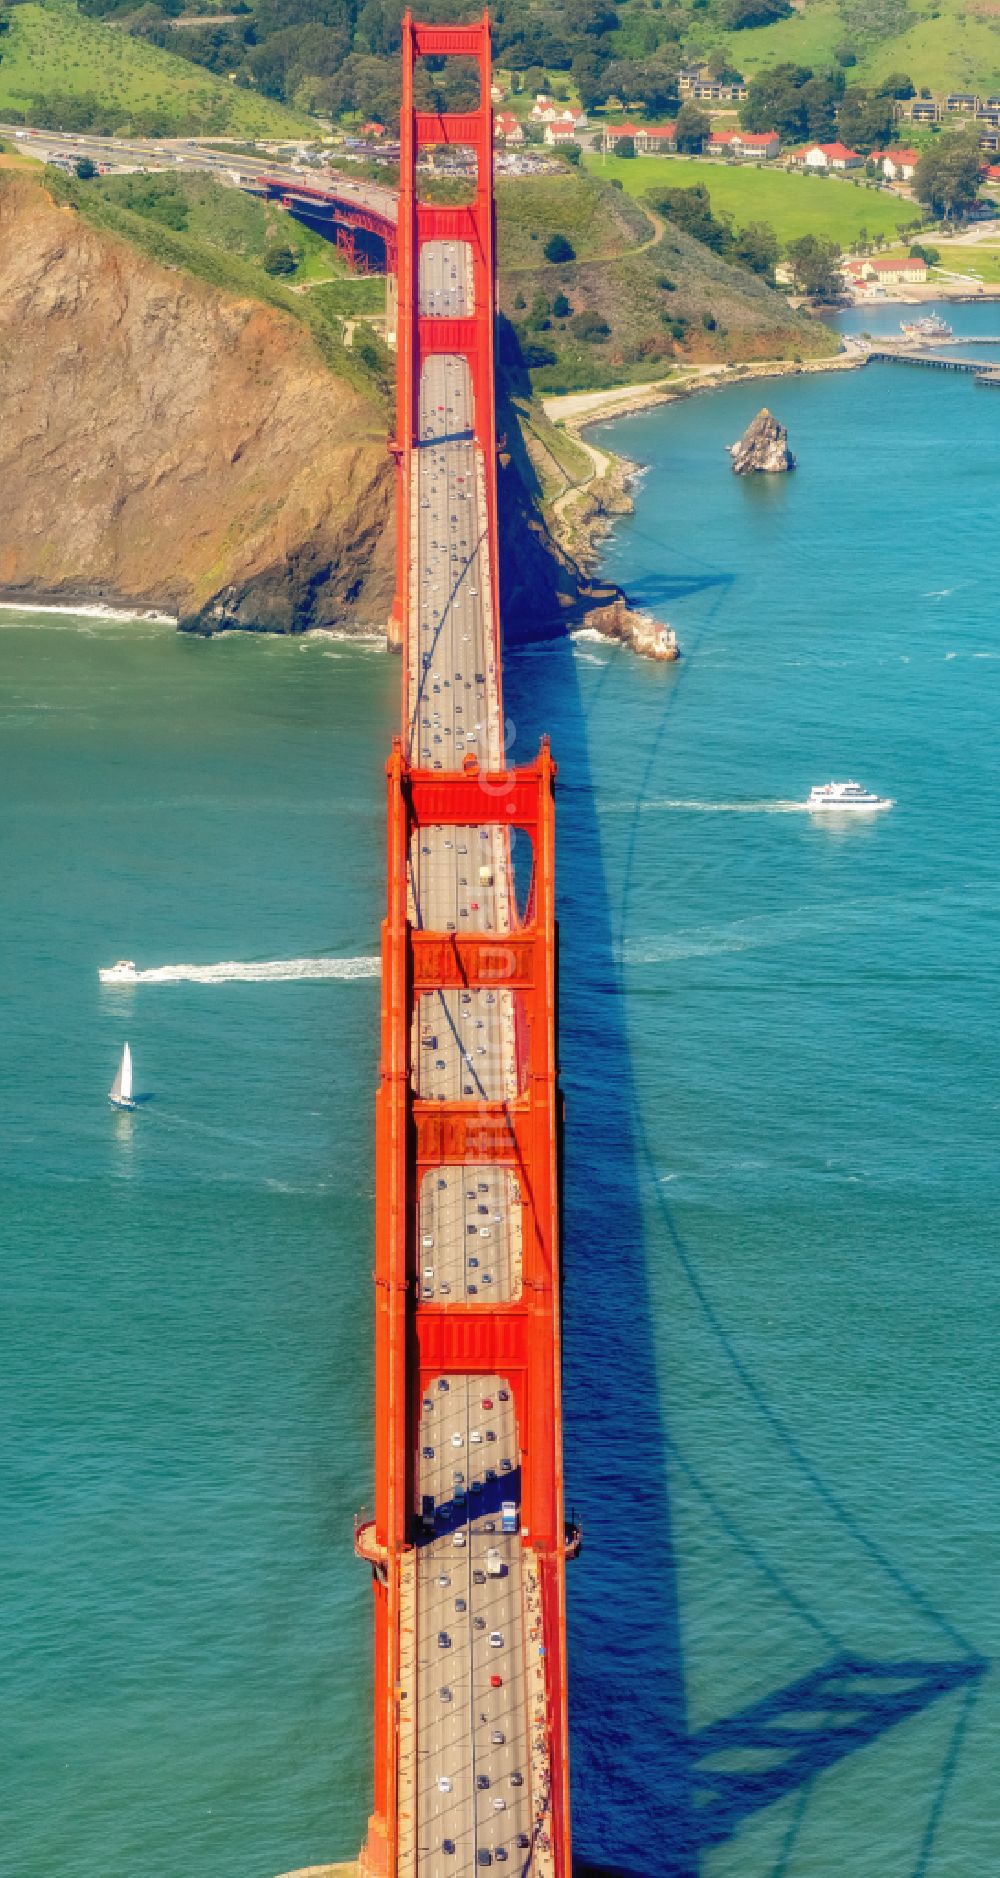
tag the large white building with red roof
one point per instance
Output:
(828, 156)
(744, 144)
(896, 165)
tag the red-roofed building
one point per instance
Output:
(507, 128)
(559, 134)
(655, 139)
(992, 173)
(828, 156)
(896, 165)
(372, 129)
(615, 133)
(905, 271)
(743, 144)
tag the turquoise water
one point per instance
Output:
(779, 1047)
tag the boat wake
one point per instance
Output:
(658, 803)
(268, 971)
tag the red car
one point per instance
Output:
(496, 1682)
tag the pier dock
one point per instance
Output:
(982, 370)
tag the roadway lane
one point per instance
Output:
(481, 1778)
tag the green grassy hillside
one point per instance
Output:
(947, 45)
(794, 205)
(59, 69)
(636, 296)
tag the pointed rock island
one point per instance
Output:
(763, 446)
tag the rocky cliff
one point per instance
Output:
(763, 446)
(164, 443)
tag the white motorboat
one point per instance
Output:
(120, 1092)
(122, 972)
(845, 798)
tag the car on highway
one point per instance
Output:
(496, 1639)
(444, 1784)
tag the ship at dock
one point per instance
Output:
(927, 330)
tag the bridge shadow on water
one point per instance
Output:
(650, 1797)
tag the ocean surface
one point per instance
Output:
(779, 1044)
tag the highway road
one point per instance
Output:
(480, 1780)
(178, 154)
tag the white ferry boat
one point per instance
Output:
(845, 798)
(122, 972)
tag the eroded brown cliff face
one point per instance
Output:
(162, 444)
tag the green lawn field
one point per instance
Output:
(59, 69)
(794, 205)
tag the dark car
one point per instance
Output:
(444, 1641)
(482, 1782)
(516, 1779)
(447, 1845)
(483, 1857)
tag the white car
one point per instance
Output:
(444, 1784)
(457, 1440)
(475, 1437)
(458, 1538)
(496, 1639)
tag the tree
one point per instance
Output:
(625, 146)
(756, 247)
(721, 70)
(589, 326)
(819, 98)
(743, 13)
(561, 308)
(814, 265)
(921, 252)
(691, 209)
(775, 101)
(865, 120)
(897, 85)
(692, 127)
(557, 248)
(85, 169)
(947, 175)
(281, 259)
(587, 72)
(571, 154)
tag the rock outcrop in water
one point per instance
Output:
(647, 636)
(763, 446)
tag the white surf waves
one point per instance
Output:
(255, 972)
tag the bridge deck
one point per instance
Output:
(477, 1781)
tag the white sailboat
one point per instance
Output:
(120, 1092)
